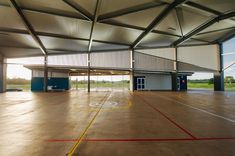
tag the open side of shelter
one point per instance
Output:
(138, 36)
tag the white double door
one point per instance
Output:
(140, 83)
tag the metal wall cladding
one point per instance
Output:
(40, 73)
(168, 53)
(152, 63)
(75, 60)
(202, 56)
(117, 59)
(186, 67)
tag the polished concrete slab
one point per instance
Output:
(118, 123)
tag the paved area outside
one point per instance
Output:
(118, 123)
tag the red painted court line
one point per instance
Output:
(228, 138)
(144, 139)
(168, 118)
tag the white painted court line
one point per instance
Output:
(219, 116)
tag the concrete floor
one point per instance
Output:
(118, 123)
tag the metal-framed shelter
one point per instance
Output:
(98, 27)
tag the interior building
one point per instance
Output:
(157, 43)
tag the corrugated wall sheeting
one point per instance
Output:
(111, 59)
(201, 56)
(186, 67)
(68, 60)
(39, 73)
(153, 63)
(168, 53)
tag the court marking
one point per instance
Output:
(168, 118)
(78, 142)
(107, 109)
(207, 112)
(144, 139)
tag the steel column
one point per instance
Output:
(174, 75)
(45, 78)
(132, 73)
(91, 40)
(89, 74)
(2, 74)
(219, 77)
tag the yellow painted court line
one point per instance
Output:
(86, 129)
(129, 104)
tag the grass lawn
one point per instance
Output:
(102, 85)
(228, 87)
(25, 87)
(200, 85)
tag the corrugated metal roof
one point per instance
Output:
(66, 25)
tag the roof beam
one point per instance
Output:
(226, 37)
(93, 24)
(202, 7)
(129, 10)
(200, 40)
(160, 47)
(156, 21)
(113, 23)
(28, 26)
(80, 9)
(205, 8)
(217, 30)
(39, 33)
(55, 13)
(60, 51)
(128, 26)
(203, 27)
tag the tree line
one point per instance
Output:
(227, 79)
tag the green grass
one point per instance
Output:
(25, 87)
(102, 85)
(229, 87)
(198, 85)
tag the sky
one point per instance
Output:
(15, 68)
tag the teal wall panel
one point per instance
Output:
(57, 83)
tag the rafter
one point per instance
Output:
(93, 24)
(80, 9)
(156, 21)
(217, 30)
(203, 27)
(130, 10)
(112, 23)
(28, 26)
(202, 7)
(226, 37)
(47, 34)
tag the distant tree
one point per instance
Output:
(211, 81)
(229, 79)
(17, 81)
